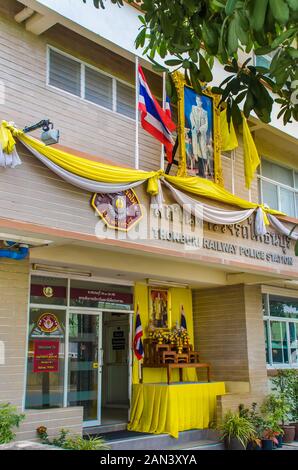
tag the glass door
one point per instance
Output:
(85, 364)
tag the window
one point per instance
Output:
(80, 79)
(64, 73)
(279, 187)
(281, 330)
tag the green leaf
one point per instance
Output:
(173, 62)
(140, 39)
(241, 96)
(283, 37)
(249, 104)
(230, 7)
(232, 37)
(236, 114)
(216, 90)
(296, 248)
(157, 67)
(205, 71)
(194, 76)
(293, 4)
(263, 50)
(280, 11)
(258, 14)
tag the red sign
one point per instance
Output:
(38, 290)
(99, 295)
(46, 356)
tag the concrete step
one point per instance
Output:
(199, 439)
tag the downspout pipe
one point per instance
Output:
(22, 252)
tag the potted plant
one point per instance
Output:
(257, 421)
(276, 410)
(286, 383)
(236, 431)
(269, 438)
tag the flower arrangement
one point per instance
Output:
(177, 336)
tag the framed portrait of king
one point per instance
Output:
(198, 132)
(159, 307)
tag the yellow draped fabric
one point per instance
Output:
(229, 139)
(159, 408)
(91, 169)
(206, 188)
(179, 297)
(102, 172)
(7, 141)
(229, 142)
(251, 156)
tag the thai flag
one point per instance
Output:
(154, 119)
(137, 342)
(183, 319)
(168, 107)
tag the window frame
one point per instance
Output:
(267, 318)
(279, 185)
(83, 65)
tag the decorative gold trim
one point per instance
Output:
(180, 83)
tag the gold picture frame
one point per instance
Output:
(181, 86)
(159, 308)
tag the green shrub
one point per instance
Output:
(79, 443)
(76, 442)
(239, 427)
(286, 384)
(9, 419)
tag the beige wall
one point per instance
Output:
(84, 126)
(14, 289)
(229, 334)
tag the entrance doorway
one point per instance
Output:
(99, 364)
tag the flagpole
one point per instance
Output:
(137, 113)
(162, 154)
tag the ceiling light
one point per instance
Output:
(159, 283)
(59, 270)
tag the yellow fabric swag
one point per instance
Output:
(105, 173)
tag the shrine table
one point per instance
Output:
(173, 365)
(162, 408)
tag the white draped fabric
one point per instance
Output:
(211, 214)
(208, 213)
(9, 160)
(80, 182)
(280, 227)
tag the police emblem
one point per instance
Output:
(119, 211)
(48, 291)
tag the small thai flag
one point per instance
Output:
(137, 342)
(154, 119)
(183, 319)
(168, 107)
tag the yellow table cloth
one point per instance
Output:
(162, 408)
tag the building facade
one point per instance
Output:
(240, 291)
